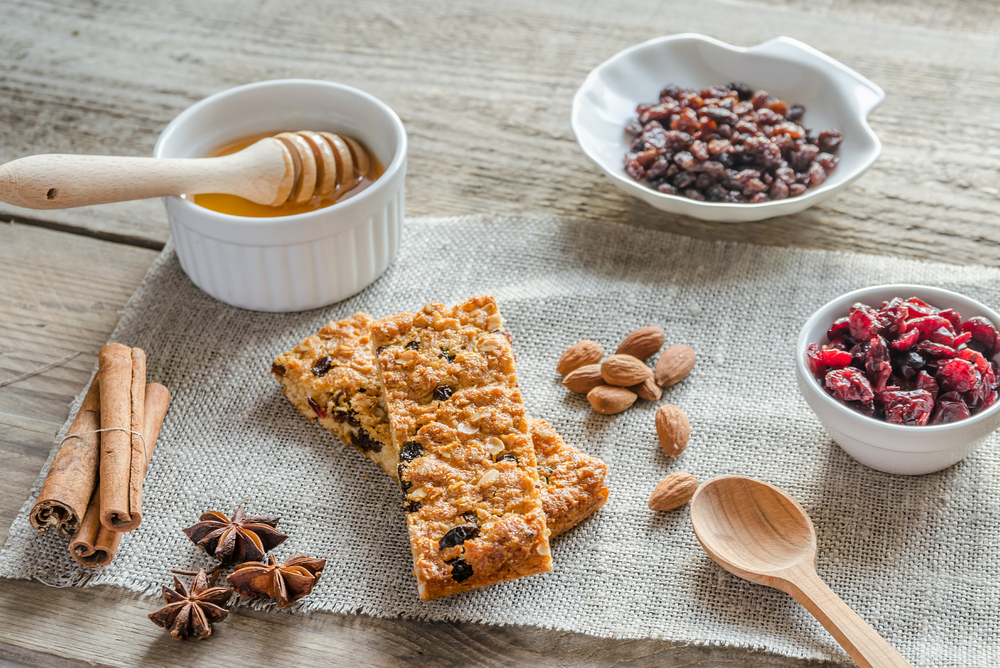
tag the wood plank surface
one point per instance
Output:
(485, 91)
(69, 300)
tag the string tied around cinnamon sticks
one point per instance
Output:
(99, 431)
(93, 490)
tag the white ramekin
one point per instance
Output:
(289, 263)
(892, 448)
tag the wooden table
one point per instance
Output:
(485, 93)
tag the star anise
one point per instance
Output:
(238, 539)
(287, 582)
(190, 614)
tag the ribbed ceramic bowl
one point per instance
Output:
(835, 97)
(889, 447)
(303, 261)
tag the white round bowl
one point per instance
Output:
(835, 97)
(303, 261)
(893, 448)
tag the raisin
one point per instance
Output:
(317, 409)
(322, 366)
(507, 458)
(442, 392)
(795, 112)
(461, 570)
(458, 535)
(413, 345)
(379, 351)
(410, 451)
(365, 442)
(829, 140)
(411, 506)
(447, 356)
(278, 370)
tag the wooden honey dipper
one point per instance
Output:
(288, 167)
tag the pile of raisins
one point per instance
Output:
(909, 363)
(727, 144)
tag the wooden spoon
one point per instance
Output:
(289, 167)
(756, 531)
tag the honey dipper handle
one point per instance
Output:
(859, 640)
(263, 173)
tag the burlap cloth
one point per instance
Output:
(915, 556)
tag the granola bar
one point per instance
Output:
(466, 462)
(332, 379)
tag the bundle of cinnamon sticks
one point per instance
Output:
(93, 491)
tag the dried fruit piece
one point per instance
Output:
(912, 408)
(238, 539)
(624, 371)
(584, 379)
(286, 582)
(673, 491)
(190, 614)
(849, 384)
(609, 400)
(642, 343)
(674, 365)
(648, 390)
(578, 354)
(672, 429)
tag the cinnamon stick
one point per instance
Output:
(94, 544)
(72, 476)
(123, 385)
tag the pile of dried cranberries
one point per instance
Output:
(727, 144)
(909, 363)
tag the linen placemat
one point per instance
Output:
(916, 557)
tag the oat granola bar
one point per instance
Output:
(332, 379)
(466, 462)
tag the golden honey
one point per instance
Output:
(237, 206)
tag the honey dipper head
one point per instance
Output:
(322, 162)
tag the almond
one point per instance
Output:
(648, 390)
(584, 379)
(609, 400)
(674, 364)
(578, 354)
(642, 343)
(673, 491)
(673, 429)
(624, 371)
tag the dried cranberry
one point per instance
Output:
(906, 341)
(317, 409)
(840, 328)
(952, 316)
(877, 363)
(950, 411)
(962, 339)
(909, 364)
(910, 408)
(864, 322)
(983, 331)
(836, 359)
(933, 349)
(918, 307)
(458, 535)
(849, 385)
(958, 375)
(814, 359)
(926, 382)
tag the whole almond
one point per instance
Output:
(609, 400)
(584, 379)
(673, 429)
(673, 491)
(674, 364)
(578, 354)
(648, 390)
(624, 371)
(642, 343)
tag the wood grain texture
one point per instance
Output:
(485, 92)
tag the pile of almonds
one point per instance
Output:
(613, 384)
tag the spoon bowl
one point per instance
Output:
(756, 531)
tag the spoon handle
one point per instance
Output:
(62, 181)
(859, 640)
